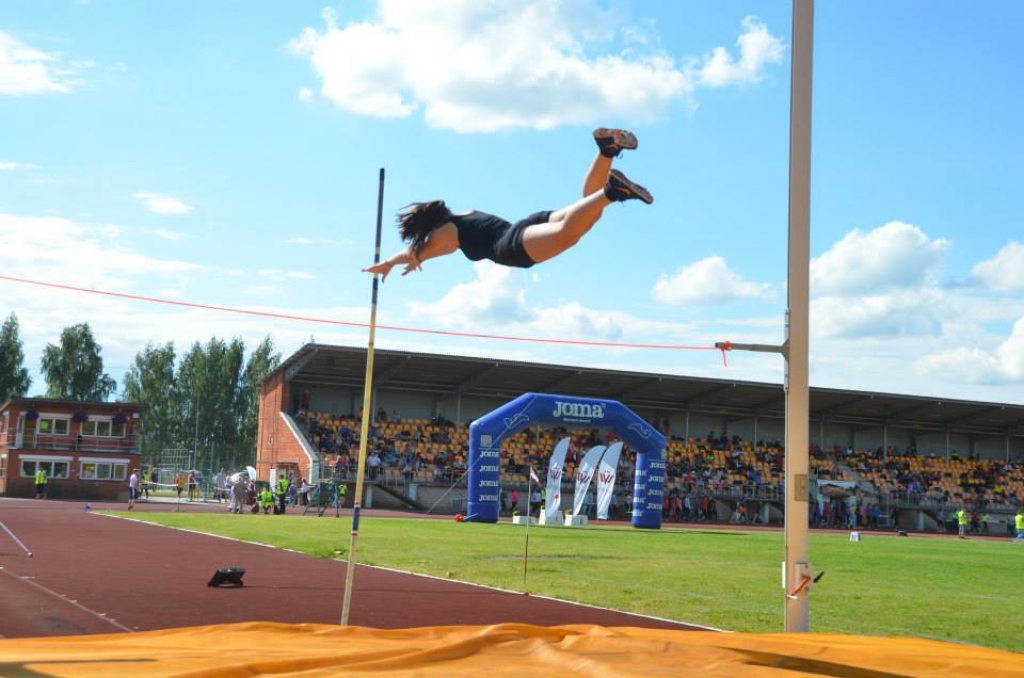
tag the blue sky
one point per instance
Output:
(228, 153)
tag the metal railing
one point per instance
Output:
(128, 444)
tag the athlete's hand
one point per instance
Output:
(383, 268)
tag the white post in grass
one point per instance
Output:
(797, 564)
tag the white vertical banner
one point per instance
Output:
(606, 479)
(553, 503)
(584, 474)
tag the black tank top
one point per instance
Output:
(479, 232)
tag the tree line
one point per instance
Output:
(205, 401)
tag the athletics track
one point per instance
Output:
(104, 596)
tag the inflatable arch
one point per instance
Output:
(531, 409)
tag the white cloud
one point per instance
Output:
(493, 297)
(166, 233)
(479, 67)
(169, 293)
(1004, 364)
(757, 47)
(706, 281)
(8, 166)
(1005, 271)
(913, 313)
(309, 241)
(77, 254)
(26, 70)
(305, 94)
(278, 275)
(495, 302)
(893, 256)
(163, 204)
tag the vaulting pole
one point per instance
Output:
(364, 430)
(797, 573)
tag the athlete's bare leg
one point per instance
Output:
(597, 175)
(601, 186)
(565, 227)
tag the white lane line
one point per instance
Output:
(65, 599)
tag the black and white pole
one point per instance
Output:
(16, 540)
(364, 433)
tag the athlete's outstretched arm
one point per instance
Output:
(442, 241)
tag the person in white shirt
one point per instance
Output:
(133, 488)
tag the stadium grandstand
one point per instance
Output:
(878, 460)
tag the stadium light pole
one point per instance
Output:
(797, 573)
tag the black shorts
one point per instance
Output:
(509, 250)
(133, 493)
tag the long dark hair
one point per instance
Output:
(416, 221)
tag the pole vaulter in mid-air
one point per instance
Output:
(433, 231)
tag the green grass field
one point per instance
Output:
(969, 591)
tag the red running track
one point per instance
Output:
(100, 574)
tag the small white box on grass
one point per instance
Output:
(575, 521)
(855, 536)
(524, 520)
(553, 521)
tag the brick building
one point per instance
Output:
(88, 449)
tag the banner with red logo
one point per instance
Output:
(606, 479)
(584, 474)
(553, 502)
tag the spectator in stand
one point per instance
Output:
(373, 463)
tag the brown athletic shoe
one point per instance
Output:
(611, 142)
(619, 188)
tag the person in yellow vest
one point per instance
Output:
(282, 492)
(963, 516)
(342, 493)
(266, 500)
(41, 483)
(1018, 521)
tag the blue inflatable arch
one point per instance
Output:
(487, 433)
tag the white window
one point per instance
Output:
(102, 469)
(50, 425)
(102, 428)
(55, 467)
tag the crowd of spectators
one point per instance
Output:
(697, 469)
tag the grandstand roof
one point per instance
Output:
(343, 366)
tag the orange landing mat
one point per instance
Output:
(308, 650)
